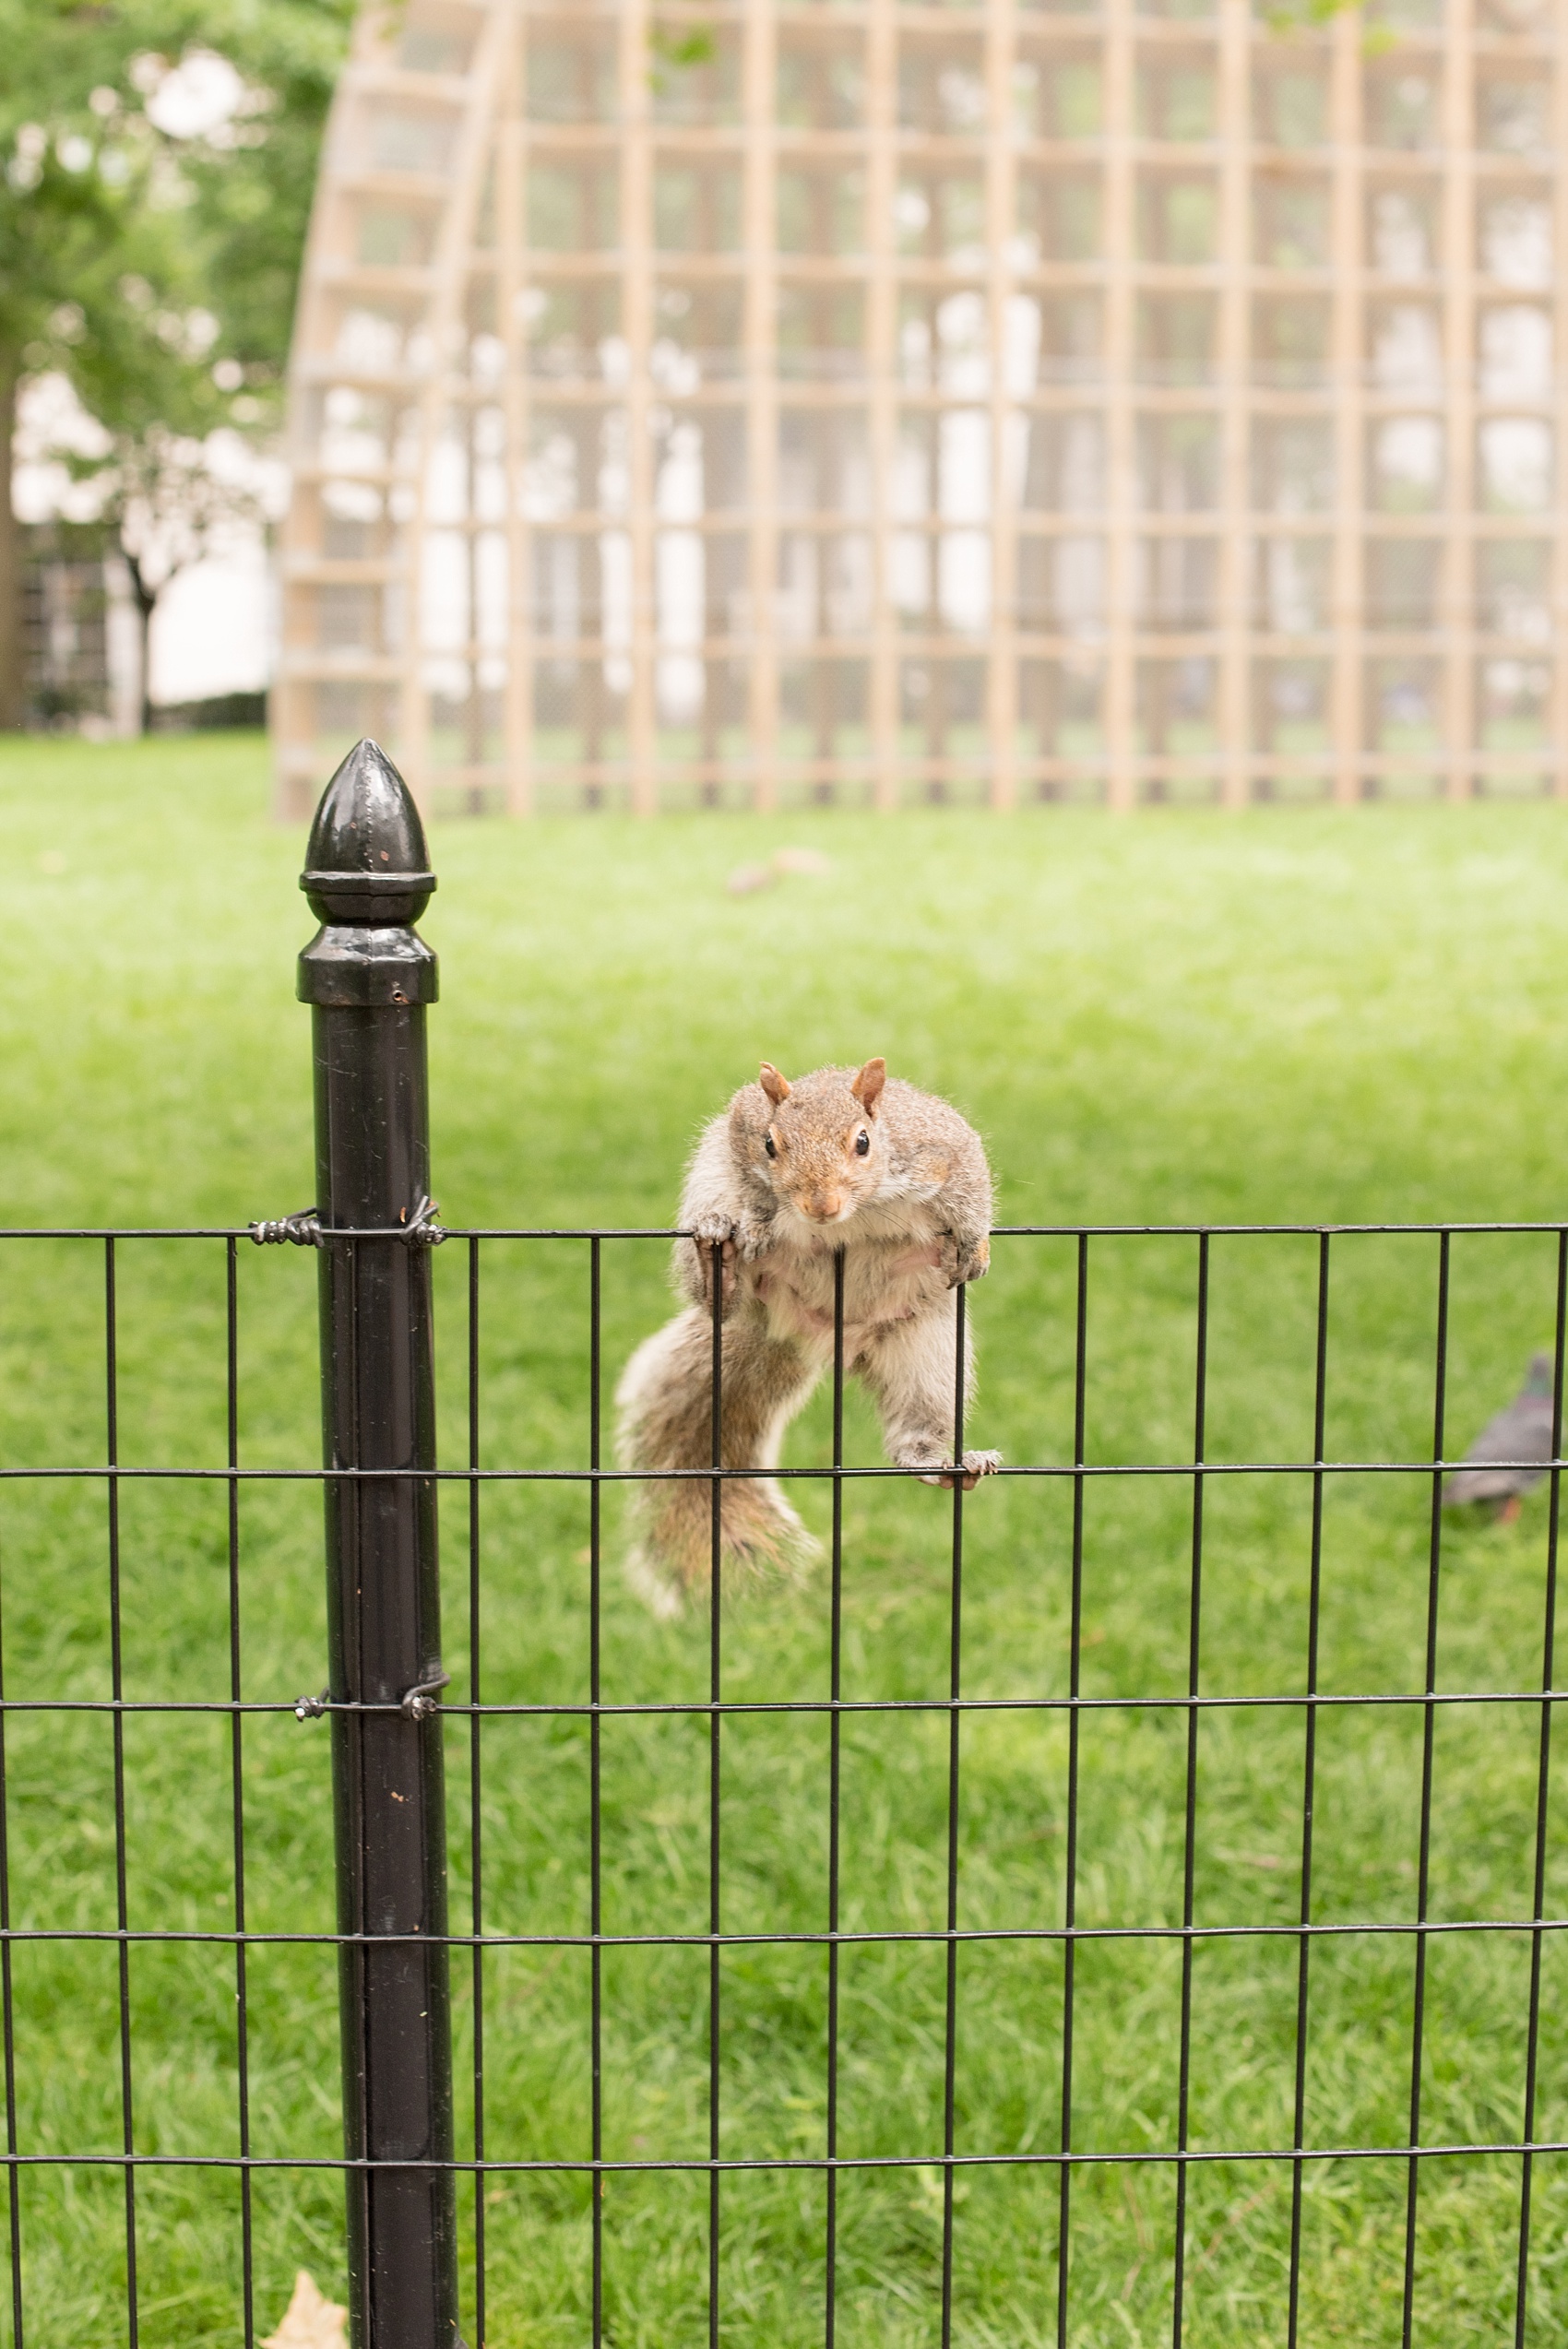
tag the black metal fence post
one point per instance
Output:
(368, 978)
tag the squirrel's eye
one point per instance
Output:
(770, 1145)
(863, 1144)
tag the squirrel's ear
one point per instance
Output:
(869, 1084)
(776, 1087)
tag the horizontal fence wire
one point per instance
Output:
(1302, 1933)
(680, 1232)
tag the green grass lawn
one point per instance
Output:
(1289, 1015)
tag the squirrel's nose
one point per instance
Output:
(824, 1205)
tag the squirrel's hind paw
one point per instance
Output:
(663, 1597)
(759, 1549)
(975, 1465)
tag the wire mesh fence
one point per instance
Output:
(1118, 1900)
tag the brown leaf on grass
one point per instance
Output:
(747, 879)
(311, 2320)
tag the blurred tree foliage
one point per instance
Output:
(156, 164)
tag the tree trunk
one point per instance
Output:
(13, 654)
(146, 600)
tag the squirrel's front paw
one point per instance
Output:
(711, 1235)
(967, 1259)
(752, 1238)
(739, 1241)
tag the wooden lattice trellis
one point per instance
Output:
(768, 401)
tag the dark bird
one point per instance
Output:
(1522, 1431)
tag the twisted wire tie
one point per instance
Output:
(419, 1229)
(417, 1702)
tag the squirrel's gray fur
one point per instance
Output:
(777, 1183)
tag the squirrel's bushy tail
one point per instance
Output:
(665, 1402)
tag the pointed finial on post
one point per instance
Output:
(367, 880)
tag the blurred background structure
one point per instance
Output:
(155, 192)
(785, 401)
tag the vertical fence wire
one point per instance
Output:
(1070, 1869)
(237, 1766)
(955, 1731)
(1429, 1739)
(1543, 1790)
(476, 1788)
(1190, 1833)
(117, 1659)
(715, 1694)
(835, 1764)
(8, 2020)
(1309, 1792)
(596, 1916)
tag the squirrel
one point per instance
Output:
(779, 1181)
